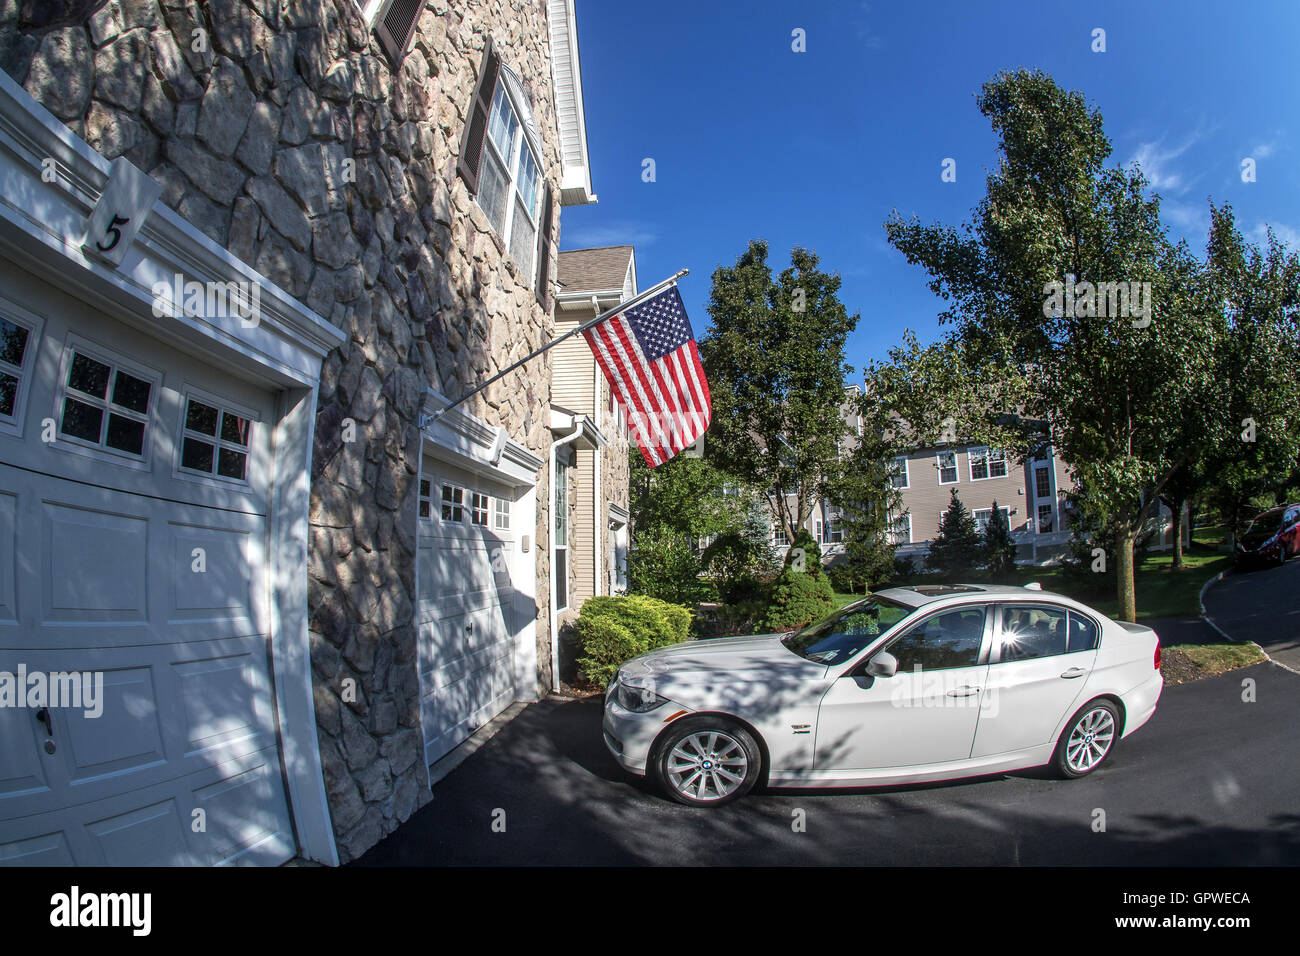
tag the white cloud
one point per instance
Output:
(1192, 219)
(614, 233)
(1287, 235)
(1157, 162)
(1263, 150)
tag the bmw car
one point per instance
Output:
(906, 686)
(1271, 538)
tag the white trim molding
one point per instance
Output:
(570, 117)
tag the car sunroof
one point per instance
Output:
(935, 590)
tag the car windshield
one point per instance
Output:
(1269, 521)
(847, 631)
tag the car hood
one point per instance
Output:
(1252, 540)
(736, 658)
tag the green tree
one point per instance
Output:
(865, 495)
(775, 362)
(1109, 382)
(999, 547)
(958, 547)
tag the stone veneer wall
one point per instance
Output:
(248, 138)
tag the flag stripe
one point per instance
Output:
(649, 436)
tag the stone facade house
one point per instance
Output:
(591, 281)
(250, 251)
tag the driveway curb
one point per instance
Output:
(1210, 621)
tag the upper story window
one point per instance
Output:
(510, 181)
(947, 467)
(987, 463)
(898, 472)
(501, 164)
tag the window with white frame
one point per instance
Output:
(833, 531)
(214, 440)
(478, 510)
(1045, 521)
(501, 514)
(1042, 482)
(15, 365)
(947, 467)
(779, 538)
(103, 405)
(426, 498)
(984, 515)
(453, 503)
(987, 463)
(898, 472)
(900, 529)
(510, 180)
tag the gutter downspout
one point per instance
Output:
(555, 636)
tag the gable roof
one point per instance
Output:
(594, 270)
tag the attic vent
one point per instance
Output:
(396, 27)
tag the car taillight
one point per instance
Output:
(1157, 655)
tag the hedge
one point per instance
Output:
(614, 629)
(798, 599)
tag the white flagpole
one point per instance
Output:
(621, 307)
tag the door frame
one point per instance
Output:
(41, 226)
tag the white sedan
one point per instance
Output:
(909, 685)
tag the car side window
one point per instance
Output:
(948, 639)
(1083, 634)
(1031, 631)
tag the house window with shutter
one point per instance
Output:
(394, 22)
(500, 162)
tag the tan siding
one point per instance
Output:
(926, 500)
(571, 375)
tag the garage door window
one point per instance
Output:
(502, 514)
(14, 340)
(453, 504)
(478, 513)
(214, 441)
(426, 498)
(104, 405)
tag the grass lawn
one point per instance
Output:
(1194, 661)
(1161, 591)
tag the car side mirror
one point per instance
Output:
(883, 664)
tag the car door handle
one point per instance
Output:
(1075, 672)
(966, 691)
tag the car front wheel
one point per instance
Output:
(707, 761)
(1087, 740)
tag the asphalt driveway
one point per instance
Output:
(1260, 606)
(1211, 780)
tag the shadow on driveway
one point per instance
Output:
(1211, 780)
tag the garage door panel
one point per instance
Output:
(227, 701)
(120, 839)
(94, 565)
(22, 771)
(210, 570)
(8, 558)
(47, 849)
(126, 738)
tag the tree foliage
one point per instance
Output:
(958, 547)
(775, 363)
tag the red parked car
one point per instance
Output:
(1271, 538)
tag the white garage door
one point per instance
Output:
(133, 547)
(466, 606)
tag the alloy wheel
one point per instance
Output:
(1090, 740)
(707, 765)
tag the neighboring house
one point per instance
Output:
(302, 591)
(1032, 494)
(591, 282)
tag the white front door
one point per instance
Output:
(468, 625)
(1041, 658)
(133, 553)
(925, 714)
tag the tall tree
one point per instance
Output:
(1105, 372)
(999, 546)
(775, 362)
(958, 547)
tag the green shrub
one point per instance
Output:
(662, 565)
(613, 629)
(844, 578)
(805, 546)
(798, 599)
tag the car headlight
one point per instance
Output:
(638, 699)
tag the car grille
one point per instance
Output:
(614, 743)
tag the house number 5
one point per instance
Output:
(107, 244)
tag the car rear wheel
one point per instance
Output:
(1087, 740)
(707, 761)
(1281, 554)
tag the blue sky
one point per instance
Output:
(753, 140)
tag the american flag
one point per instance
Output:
(648, 354)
